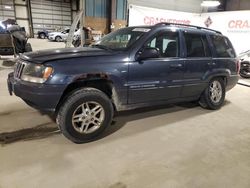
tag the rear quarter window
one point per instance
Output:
(222, 46)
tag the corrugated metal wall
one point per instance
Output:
(7, 9)
(50, 14)
(232, 5)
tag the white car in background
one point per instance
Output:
(59, 36)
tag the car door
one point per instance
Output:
(156, 79)
(198, 63)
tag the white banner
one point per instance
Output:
(139, 15)
(234, 24)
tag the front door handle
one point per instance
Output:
(178, 65)
(211, 63)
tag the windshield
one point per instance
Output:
(121, 39)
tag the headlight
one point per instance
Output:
(36, 73)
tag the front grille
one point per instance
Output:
(19, 69)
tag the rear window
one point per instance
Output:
(222, 46)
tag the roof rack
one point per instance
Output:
(185, 25)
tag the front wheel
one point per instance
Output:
(58, 39)
(214, 95)
(85, 115)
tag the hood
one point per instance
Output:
(62, 53)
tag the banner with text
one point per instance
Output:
(139, 15)
(234, 24)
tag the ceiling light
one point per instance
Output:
(210, 3)
(7, 7)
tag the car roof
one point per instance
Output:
(182, 27)
(192, 28)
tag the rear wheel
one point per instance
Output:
(85, 115)
(42, 35)
(214, 95)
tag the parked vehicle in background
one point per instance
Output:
(88, 39)
(14, 40)
(129, 68)
(42, 34)
(245, 64)
(59, 36)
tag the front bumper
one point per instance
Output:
(43, 97)
(51, 37)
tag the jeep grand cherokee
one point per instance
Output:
(130, 68)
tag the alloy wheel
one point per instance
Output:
(215, 91)
(88, 117)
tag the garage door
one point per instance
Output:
(50, 14)
(7, 10)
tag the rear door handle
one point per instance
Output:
(178, 65)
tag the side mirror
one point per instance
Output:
(148, 52)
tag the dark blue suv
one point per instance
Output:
(130, 68)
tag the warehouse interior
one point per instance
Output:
(100, 14)
(172, 145)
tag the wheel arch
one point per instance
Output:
(223, 77)
(224, 74)
(42, 32)
(97, 81)
(58, 36)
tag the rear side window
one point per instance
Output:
(222, 46)
(197, 45)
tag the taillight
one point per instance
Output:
(238, 66)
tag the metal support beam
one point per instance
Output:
(82, 21)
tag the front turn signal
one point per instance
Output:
(47, 72)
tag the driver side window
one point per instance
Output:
(167, 43)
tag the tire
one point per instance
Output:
(214, 95)
(244, 75)
(76, 43)
(81, 105)
(28, 47)
(245, 69)
(58, 39)
(42, 36)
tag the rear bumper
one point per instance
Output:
(40, 96)
(232, 81)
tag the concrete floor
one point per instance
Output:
(172, 147)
